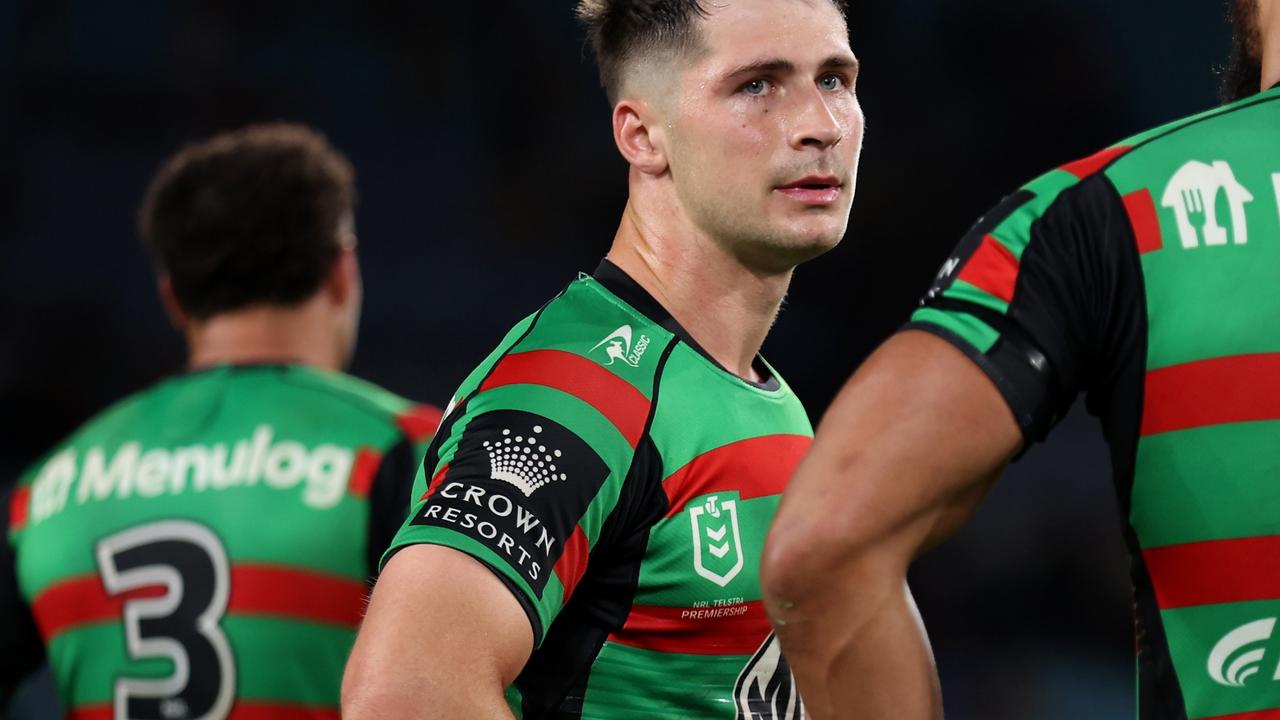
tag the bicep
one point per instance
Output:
(443, 637)
(907, 449)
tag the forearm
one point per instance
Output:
(859, 625)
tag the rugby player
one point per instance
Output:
(595, 504)
(1143, 276)
(202, 548)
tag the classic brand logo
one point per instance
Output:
(766, 689)
(618, 347)
(1238, 655)
(523, 461)
(717, 540)
(1192, 194)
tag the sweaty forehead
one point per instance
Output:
(793, 30)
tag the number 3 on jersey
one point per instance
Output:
(188, 561)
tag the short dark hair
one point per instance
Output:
(248, 217)
(623, 30)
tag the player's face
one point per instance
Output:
(766, 130)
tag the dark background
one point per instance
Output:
(488, 178)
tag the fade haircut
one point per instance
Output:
(623, 31)
(248, 217)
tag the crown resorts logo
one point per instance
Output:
(523, 462)
(617, 345)
(1238, 655)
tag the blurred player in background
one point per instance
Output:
(1143, 276)
(597, 498)
(202, 549)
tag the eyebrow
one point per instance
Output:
(780, 66)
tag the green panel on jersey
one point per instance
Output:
(665, 576)
(722, 396)
(265, 672)
(1207, 300)
(86, 661)
(514, 701)
(552, 595)
(561, 327)
(965, 326)
(637, 684)
(1195, 632)
(1206, 484)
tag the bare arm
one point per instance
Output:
(443, 638)
(904, 456)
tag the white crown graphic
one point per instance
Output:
(523, 461)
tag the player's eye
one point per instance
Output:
(831, 82)
(756, 87)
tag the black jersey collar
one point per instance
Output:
(618, 282)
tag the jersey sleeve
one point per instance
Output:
(390, 496)
(23, 651)
(526, 469)
(1045, 295)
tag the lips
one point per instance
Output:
(813, 190)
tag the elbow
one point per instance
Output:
(811, 565)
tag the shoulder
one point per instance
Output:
(416, 421)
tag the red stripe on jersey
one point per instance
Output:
(242, 710)
(1239, 388)
(81, 600)
(363, 471)
(1255, 715)
(625, 406)
(572, 564)
(1141, 208)
(1217, 571)
(18, 504)
(695, 631)
(754, 467)
(992, 268)
(300, 594)
(255, 590)
(436, 482)
(1085, 167)
(419, 422)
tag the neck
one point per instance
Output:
(727, 307)
(267, 334)
(1269, 22)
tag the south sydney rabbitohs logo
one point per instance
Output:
(766, 689)
(617, 345)
(717, 540)
(1239, 654)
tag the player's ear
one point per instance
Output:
(169, 299)
(638, 133)
(344, 277)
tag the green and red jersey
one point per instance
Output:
(203, 548)
(621, 484)
(1145, 277)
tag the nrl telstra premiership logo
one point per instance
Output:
(618, 347)
(717, 541)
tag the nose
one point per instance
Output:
(815, 125)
